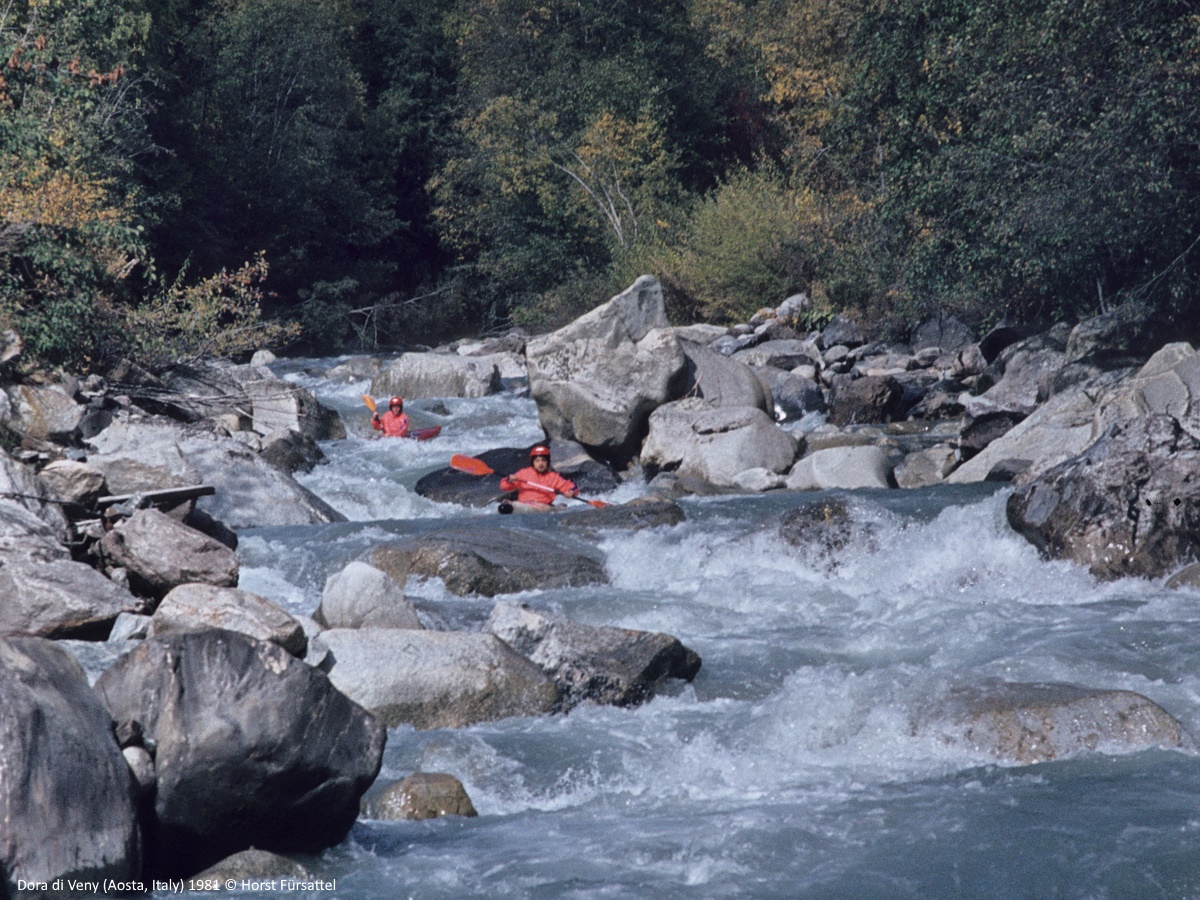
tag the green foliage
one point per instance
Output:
(1041, 157)
(216, 316)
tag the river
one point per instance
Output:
(790, 767)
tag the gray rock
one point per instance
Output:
(781, 354)
(795, 395)
(593, 664)
(926, 467)
(199, 607)
(73, 482)
(438, 375)
(435, 679)
(1128, 505)
(874, 398)
(1032, 723)
(161, 553)
(250, 492)
(252, 748)
(633, 515)
(20, 486)
(54, 597)
(67, 796)
(843, 331)
(291, 451)
(254, 865)
(841, 467)
(944, 332)
(361, 596)
(691, 438)
(129, 627)
(722, 380)
(422, 795)
(489, 561)
(45, 413)
(1025, 384)
(1061, 428)
(597, 380)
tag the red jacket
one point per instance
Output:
(391, 424)
(551, 483)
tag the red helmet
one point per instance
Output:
(396, 401)
(540, 450)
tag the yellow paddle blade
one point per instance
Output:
(370, 401)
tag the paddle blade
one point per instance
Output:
(599, 504)
(470, 465)
(370, 401)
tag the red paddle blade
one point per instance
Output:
(599, 504)
(470, 465)
(426, 434)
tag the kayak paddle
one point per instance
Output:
(473, 466)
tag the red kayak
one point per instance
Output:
(424, 434)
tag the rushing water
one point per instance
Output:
(790, 767)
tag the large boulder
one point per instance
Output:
(1059, 429)
(252, 748)
(50, 596)
(597, 380)
(691, 438)
(435, 679)
(841, 467)
(1167, 384)
(249, 491)
(1128, 505)
(362, 596)
(490, 561)
(73, 482)
(943, 332)
(67, 800)
(1026, 383)
(45, 413)
(438, 375)
(589, 663)
(20, 485)
(161, 553)
(1032, 723)
(722, 380)
(199, 607)
(873, 398)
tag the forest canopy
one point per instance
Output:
(411, 171)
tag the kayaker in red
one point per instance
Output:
(393, 423)
(536, 485)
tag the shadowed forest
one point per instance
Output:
(201, 177)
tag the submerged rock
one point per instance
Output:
(422, 795)
(67, 799)
(490, 561)
(590, 663)
(1032, 723)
